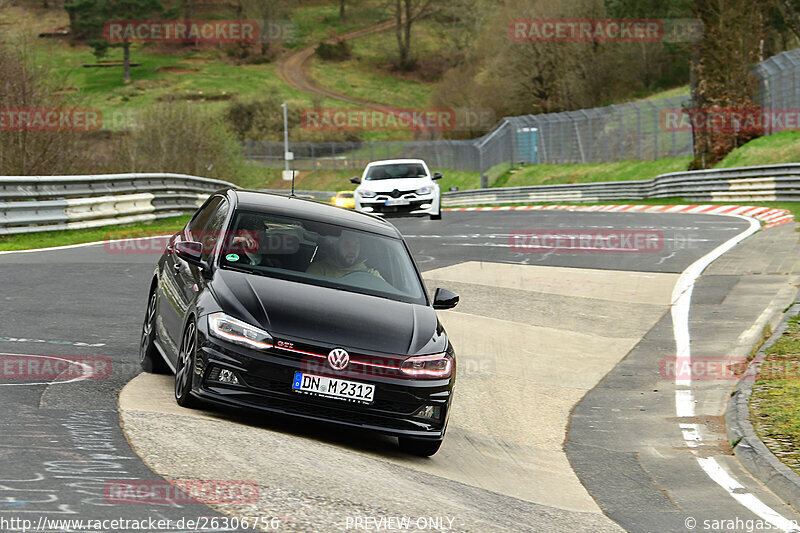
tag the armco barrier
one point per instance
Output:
(42, 203)
(768, 183)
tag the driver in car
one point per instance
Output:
(344, 259)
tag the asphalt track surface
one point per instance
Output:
(61, 443)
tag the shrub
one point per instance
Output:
(177, 137)
(333, 52)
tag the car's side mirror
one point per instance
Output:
(355, 179)
(437, 175)
(444, 299)
(191, 252)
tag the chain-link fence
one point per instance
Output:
(455, 155)
(779, 83)
(643, 130)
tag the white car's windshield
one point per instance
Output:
(395, 171)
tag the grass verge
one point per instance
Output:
(782, 147)
(776, 394)
(46, 239)
(590, 172)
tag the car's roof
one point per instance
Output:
(293, 206)
(345, 192)
(393, 161)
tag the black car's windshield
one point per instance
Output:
(395, 171)
(321, 254)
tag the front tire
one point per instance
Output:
(184, 370)
(149, 357)
(419, 447)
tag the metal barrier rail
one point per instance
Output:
(42, 203)
(768, 183)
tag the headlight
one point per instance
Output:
(424, 190)
(367, 194)
(232, 330)
(428, 366)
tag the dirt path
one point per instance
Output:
(292, 69)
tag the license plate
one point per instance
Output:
(397, 201)
(340, 389)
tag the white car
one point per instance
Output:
(398, 187)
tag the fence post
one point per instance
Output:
(484, 177)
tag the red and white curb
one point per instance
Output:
(770, 217)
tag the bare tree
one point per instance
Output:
(790, 9)
(721, 79)
(406, 13)
(28, 85)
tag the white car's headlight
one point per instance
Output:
(367, 193)
(424, 190)
(232, 330)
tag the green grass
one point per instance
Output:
(46, 239)
(782, 147)
(776, 394)
(683, 90)
(376, 85)
(590, 172)
(210, 80)
(316, 22)
(368, 74)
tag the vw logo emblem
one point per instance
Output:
(338, 359)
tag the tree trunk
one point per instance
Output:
(407, 34)
(126, 62)
(398, 29)
(341, 10)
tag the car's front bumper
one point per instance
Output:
(425, 205)
(265, 383)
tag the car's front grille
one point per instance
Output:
(412, 206)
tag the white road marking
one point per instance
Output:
(684, 396)
(80, 245)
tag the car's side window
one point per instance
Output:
(213, 228)
(200, 220)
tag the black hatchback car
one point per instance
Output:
(297, 307)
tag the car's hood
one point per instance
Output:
(325, 316)
(401, 184)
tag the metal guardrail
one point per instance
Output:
(42, 203)
(768, 183)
